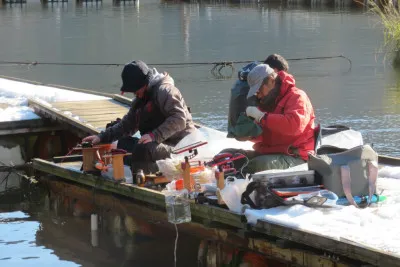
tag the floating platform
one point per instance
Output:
(344, 253)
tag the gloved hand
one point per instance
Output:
(147, 138)
(255, 113)
(94, 139)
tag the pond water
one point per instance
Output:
(364, 95)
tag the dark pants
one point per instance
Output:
(144, 156)
(257, 162)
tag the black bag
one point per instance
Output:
(265, 198)
(263, 184)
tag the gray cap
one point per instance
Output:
(256, 77)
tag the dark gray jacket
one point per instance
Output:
(176, 120)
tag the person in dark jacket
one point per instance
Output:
(158, 112)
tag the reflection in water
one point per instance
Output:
(208, 31)
(56, 230)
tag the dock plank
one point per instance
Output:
(93, 115)
(86, 108)
(96, 112)
(107, 102)
(82, 129)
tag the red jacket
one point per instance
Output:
(289, 129)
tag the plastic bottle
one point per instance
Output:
(178, 206)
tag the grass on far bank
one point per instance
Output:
(389, 15)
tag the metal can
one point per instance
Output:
(140, 177)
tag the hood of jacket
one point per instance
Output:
(288, 82)
(156, 78)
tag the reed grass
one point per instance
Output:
(389, 15)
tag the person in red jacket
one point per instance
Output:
(286, 116)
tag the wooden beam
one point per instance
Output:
(141, 194)
(339, 247)
(34, 123)
(138, 193)
(301, 256)
(67, 158)
(31, 130)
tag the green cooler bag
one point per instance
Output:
(349, 173)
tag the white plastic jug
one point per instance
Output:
(232, 193)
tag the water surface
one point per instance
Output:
(365, 97)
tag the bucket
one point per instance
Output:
(178, 206)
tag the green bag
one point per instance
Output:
(271, 162)
(246, 127)
(349, 173)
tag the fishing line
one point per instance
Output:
(215, 63)
(176, 243)
(218, 66)
(244, 165)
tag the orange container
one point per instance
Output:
(196, 169)
(179, 184)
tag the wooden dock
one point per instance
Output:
(330, 252)
(83, 117)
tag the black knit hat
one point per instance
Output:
(134, 76)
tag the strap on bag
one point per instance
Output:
(245, 199)
(346, 182)
(372, 177)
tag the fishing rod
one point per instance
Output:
(227, 63)
(218, 66)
